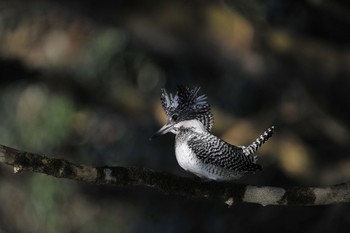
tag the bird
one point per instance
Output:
(199, 151)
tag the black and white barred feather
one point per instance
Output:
(215, 151)
(252, 148)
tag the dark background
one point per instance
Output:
(81, 81)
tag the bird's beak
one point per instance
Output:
(165, 129)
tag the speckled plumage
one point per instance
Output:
(197, 150)
(210, 157)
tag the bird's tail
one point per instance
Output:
(252, 148)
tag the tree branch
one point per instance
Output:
(230, 193)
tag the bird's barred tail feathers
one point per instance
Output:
(252, 148)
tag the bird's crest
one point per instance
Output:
(187, 105)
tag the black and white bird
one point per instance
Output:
(197, 150)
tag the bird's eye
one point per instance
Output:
(174, 117)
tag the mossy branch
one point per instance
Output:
(230, 193)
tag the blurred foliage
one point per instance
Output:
(34, 109)
(81, 80)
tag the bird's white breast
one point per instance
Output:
(188, 161)
(185, 157)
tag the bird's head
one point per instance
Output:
(183, 106)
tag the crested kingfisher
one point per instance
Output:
(197, 149)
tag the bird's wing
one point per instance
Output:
(212, 150)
